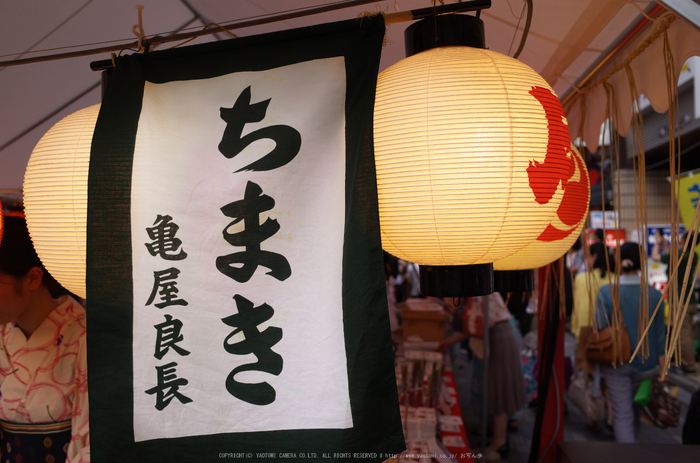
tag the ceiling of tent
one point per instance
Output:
(566, 38)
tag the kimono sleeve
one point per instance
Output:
(79, 447)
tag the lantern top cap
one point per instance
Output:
(442, 31)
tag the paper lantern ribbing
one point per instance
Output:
(470, 148)
(564, 230)
(55, 197)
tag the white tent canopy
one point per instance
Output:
(566, 39)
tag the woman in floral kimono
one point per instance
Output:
(43, 364)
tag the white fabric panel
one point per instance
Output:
(179, 171)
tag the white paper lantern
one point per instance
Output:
(55, 197)
(470, 148)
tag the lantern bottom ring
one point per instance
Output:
(456, 280)
(514, 281)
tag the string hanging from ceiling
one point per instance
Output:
(640, 207)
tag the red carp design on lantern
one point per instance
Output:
(573, 205)
(557, 166)
(560, 164)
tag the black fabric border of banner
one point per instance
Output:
(377, 425)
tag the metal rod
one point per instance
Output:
(188, 35)
(475, 5)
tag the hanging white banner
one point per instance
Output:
(191, 195)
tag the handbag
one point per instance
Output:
(581, 395)
(664, 409)
(601, 348)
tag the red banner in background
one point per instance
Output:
(610, 237)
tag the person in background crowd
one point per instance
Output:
(43, 362)
(586, 286)
(413, 277)
(506, 385)
(575, 260)
(402, 285)
(599, 236)
(623, 381)
(517, 305)
(661, 251)
(391, 294)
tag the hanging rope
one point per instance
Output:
(678, 308)
(603, 153)
(137, 30)
(617, 311)
(640, 207)
(665, 294)
(678, 301)
(675, 213)
(643, 46)
(615, 321)
(517, 25)
(526, 30)
(663, 26)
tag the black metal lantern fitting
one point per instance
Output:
(457, 280)
(514, 281)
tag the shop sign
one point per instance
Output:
(235, 273)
